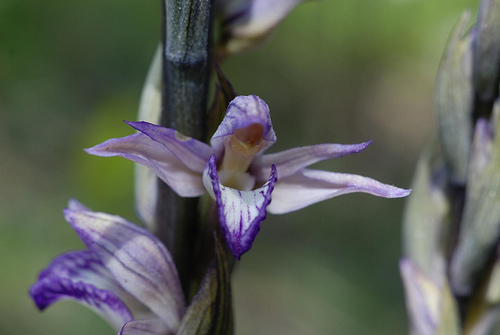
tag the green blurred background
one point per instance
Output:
(340, 71)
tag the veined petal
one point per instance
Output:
(146, 327)
(290, 161)
(53, 288)
(142, 149)
(83, 266)
(240, 212)
(191, 152)
(243, 112)
(136, 258)
(307, 187)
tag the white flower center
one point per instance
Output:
(240, 149)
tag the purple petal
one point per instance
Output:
(193, 153)
(76, 205)
(243, 112)
(143, 150)
(84, 266)
(240, 212)
(137, 259)
(290, 161)
(146, 327)
(308, 187)
(50, 289)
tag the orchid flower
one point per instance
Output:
(246, 23)
(236, 173)
(127, 275)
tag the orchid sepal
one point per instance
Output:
(159, 149)
(293, 160)
(308, 187)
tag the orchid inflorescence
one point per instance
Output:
(127, 274)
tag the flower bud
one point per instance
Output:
(487, 50)
(454, 101)
(432, 309)
(427, 212)
(480, 227)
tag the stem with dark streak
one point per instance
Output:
(187, 55)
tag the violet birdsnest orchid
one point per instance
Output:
(236, 173)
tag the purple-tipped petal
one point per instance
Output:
(290, 161)
(84, 266)
(193, 153)
(136, 258)
(308, 187)
(50, 289)
(240, 212)
(146, 327)
(242, 112)
(142, 149)
(76, 205)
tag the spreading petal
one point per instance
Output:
(293, 160)
(189, 151)
(240, 212)
(80, 276)
(141, 149)
(243, 112)
(146, 327)
(307, 187)
(137, 259)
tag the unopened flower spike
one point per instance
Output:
(235, 172)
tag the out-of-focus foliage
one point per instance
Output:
(335, 71)
(452, 222)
